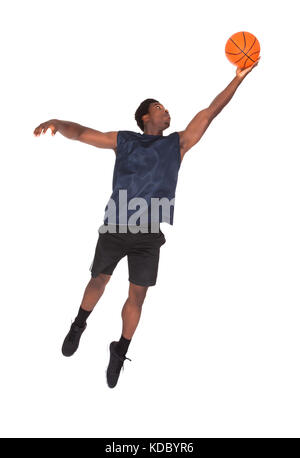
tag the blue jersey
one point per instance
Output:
(146, 172)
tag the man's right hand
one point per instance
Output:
(74, 131)
(53, 124)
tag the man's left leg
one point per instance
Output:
(143, 260)
(132, 309)
(131, 313)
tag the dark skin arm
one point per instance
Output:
(196, 128)
(74, 131)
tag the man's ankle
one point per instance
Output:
(81, 318)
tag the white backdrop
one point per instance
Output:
(216, 353)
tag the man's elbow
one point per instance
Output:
(211, 113)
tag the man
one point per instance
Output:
(146, 169)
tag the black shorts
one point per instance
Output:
(142, 251)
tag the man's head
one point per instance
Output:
(151, 113)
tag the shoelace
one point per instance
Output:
(121, 358)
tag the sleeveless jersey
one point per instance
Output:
(146, 167)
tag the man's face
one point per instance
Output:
(159, 115)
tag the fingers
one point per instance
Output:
(253, 65)
(256, 62)
(42, 129)
(37, 130)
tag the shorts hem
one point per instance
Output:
(95, 274)
(142, 284)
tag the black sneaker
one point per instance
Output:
(72, 339)
(115, 365)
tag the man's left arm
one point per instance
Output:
(196, 128)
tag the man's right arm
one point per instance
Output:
(74, 131)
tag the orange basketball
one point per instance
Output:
(242, 49)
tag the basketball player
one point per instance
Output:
(146, 166)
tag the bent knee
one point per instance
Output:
(137, 294)
(101, 279)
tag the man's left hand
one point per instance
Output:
(242, 73)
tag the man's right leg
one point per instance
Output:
(93, 291)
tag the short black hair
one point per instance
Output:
(141, 111)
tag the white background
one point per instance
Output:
(216, 353)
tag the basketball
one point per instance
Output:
(242, 49)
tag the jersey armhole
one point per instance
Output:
(178, 148)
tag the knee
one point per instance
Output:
(101, 280)
(137, 294)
